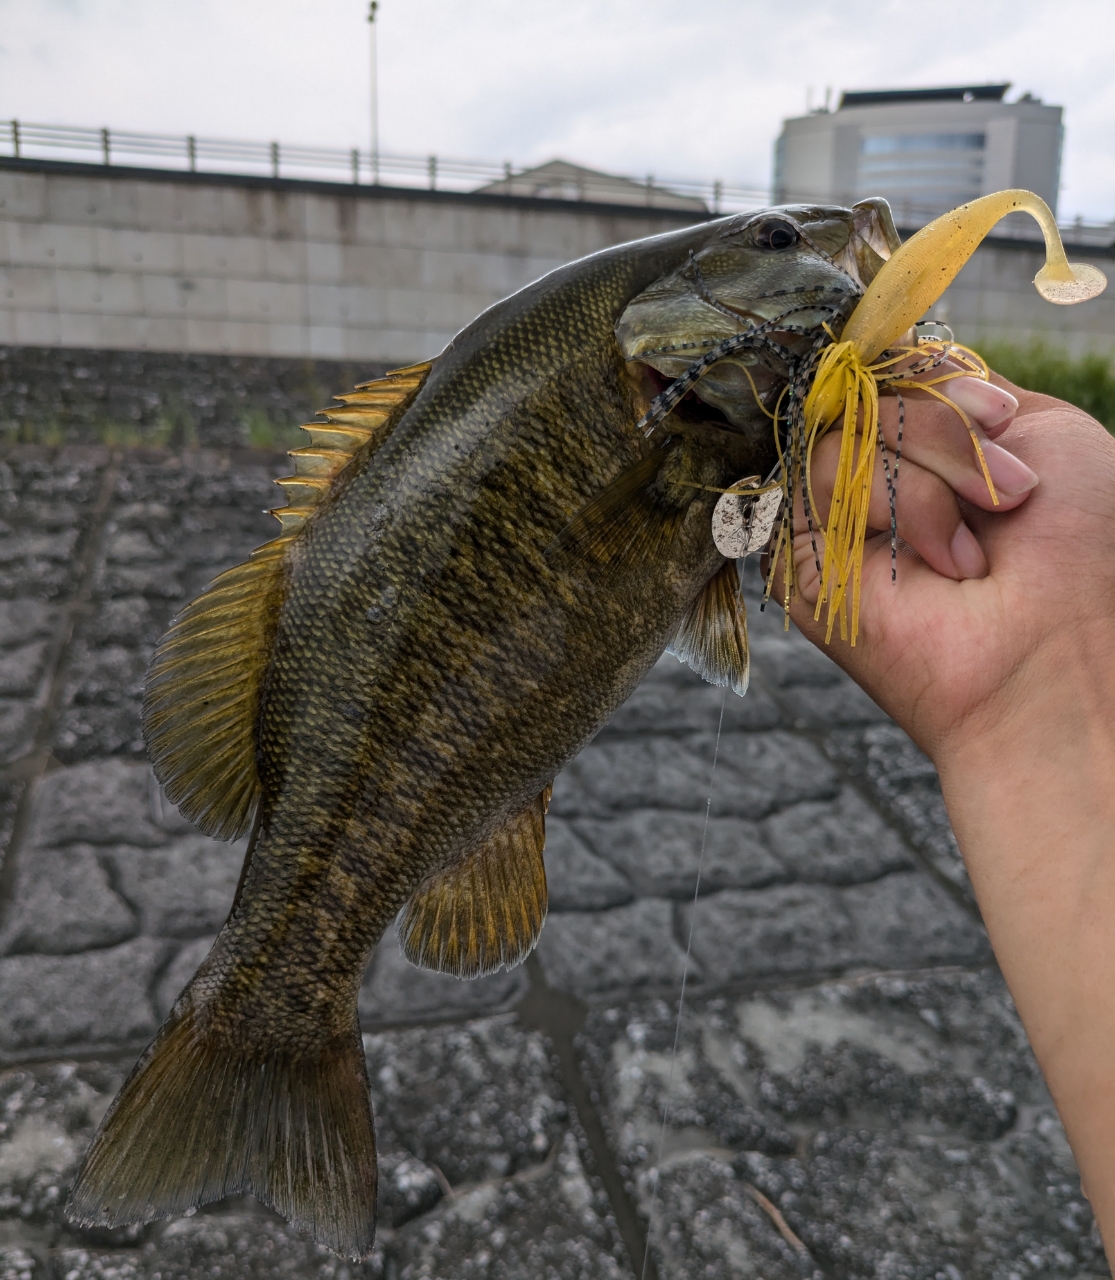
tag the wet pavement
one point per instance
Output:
(851, 1094)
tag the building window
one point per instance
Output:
(921, 174)
(887, 144)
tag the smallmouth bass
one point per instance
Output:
(481, 558)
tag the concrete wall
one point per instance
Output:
(141, 260)
(994, 299)
(144, 260)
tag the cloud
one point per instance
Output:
(635, 87)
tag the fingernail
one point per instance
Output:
(967, 554)
(989, 405)
(1010, 474)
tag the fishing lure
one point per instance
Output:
(849, 373)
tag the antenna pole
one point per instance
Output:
(373, 6)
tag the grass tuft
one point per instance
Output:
(1085, 381)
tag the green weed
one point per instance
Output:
(1086, 381)
(263, 432)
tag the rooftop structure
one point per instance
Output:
(561, 180)
(925, 150)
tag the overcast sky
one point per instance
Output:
(684, 89)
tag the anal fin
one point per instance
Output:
(712, 637)
(485, 912)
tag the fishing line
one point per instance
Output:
(684, 980)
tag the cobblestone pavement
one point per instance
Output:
(852, 1094)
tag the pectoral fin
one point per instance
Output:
(485, 912)
(712, 637)
(627, 523)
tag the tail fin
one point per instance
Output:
(198, 1119)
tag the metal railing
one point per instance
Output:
(275, 159)
(910, 215)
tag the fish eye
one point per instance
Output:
(776, 233)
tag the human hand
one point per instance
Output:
(995, 650)
(988, 601)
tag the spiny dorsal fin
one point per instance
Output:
(712, 637)
(487, 911)
(204, 688)
(369, 411)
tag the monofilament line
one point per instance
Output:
(681, 997)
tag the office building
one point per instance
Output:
(925, 150)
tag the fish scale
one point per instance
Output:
(465, 590)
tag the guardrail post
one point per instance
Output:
(274, 159)
(431, 165)
(717, 189)
(15, 138)
(191, 152)
(355, 166)
(105, 153)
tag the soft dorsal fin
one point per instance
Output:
(487, 910)
(204, 687)
(712, 637)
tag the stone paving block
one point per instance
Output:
(394, 990)
(178, 972)
(96, 998)
(47, 1117)
(845, 703)
(545, 1223)
(18, 721)
(18, 1264)
(789, 660)
(127, 620)
(906, 921)
(905, 784)
(922, 1141)
(43, 563)
(481, 1102)
(628, 948)
(246, 1245)
(660, 852)
(576, 878)
(669, 702)
(64, 903)
(184, 888)
(101, 802)
(478, 1101)
(742, 935)
(11, 793)
(765, 771)
(130, 545)
(107, 673)
(707, 1225)
(24, 620)
(22, 668)
(756, 773)
(843, 842)
(903, 920)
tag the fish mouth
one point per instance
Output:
(718, 340)
(734, 383)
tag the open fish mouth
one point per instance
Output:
(718, 340)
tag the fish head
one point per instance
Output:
(754, 297)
